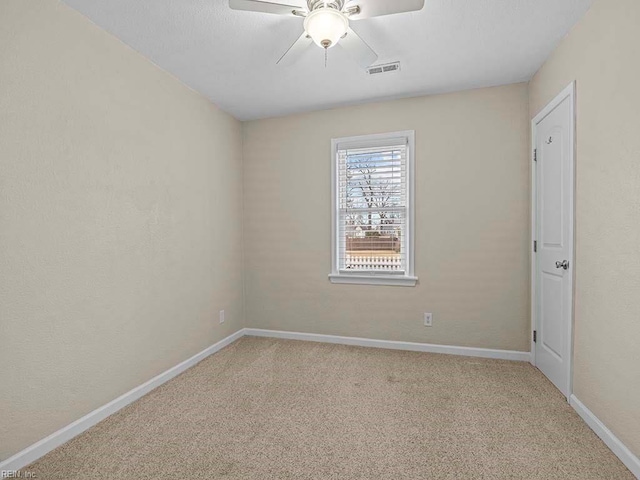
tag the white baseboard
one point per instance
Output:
(620, 449)
(44, 446)
(393, 345)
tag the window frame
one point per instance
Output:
(408, 279)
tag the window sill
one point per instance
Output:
(390, 280)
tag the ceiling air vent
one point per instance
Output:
(386, 68)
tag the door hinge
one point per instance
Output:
(535, 336)
(535, 246)
(535, 155)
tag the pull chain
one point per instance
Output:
(325, 44)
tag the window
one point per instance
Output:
(372, 209)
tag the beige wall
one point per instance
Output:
(602, 54)
(472, 222)
(120, 194)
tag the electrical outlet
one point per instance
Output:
(428, 319)
(221, 316)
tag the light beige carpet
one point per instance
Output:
(277, 409)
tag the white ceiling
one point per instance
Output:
(229, 56)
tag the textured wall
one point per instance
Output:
(120, 198)
(602, 54)
(472, 222)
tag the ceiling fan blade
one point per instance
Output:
(358, 49)
(263, 7)
(377, 8)
(295, 51)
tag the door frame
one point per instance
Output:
(568, 92)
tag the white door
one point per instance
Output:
(553, 136)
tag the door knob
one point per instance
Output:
(564, 264)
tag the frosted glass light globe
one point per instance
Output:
(326, 26)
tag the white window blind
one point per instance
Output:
(372, 219)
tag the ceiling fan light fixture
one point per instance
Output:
(326, 26)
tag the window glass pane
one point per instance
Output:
(373, 241)
(372, 197)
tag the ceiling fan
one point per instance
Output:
(326, 23)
